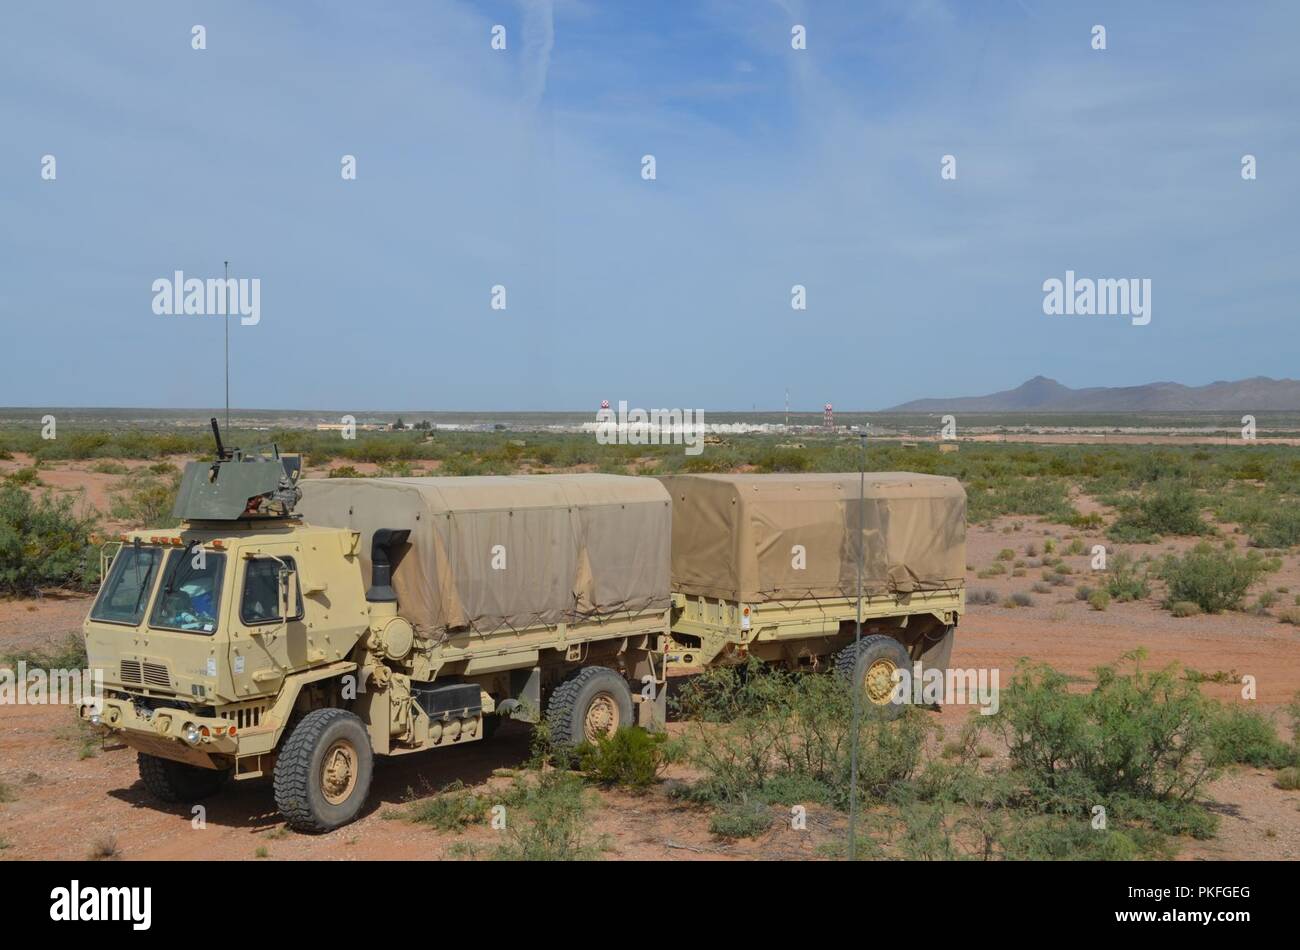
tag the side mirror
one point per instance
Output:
(288, 593)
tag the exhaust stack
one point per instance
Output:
(381, 567)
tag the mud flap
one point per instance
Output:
(937, 653)
(652, 713)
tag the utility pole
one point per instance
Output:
(225, 318)
(857, 650)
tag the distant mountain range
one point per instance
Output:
(1041, 394)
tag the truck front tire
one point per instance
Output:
(592, 702)
(322, 775)
(872, 666)
(177, 782)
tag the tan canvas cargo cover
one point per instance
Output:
(487, 552)
(787, 537)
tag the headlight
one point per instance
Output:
(95, 719)
(191, 733)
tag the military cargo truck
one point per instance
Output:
(767, 566)
(295, 628)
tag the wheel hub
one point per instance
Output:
(879, 681)
(602, 717)
(339, 772)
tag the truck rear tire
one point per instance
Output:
(322, 775)
(873, 665)
(592, 702)
(177, 782)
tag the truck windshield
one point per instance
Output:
(191, 591)
(125, 594)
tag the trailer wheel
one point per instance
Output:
(177, 782)
(592, 702)
(873, 665)
(322, 775)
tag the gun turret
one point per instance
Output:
(238, 485)
(222, 454)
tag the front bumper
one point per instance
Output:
(168, 733)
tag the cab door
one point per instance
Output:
(265, 646)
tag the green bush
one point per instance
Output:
(108, 467)
(741, 820)
(760, 735)
(1052, 838)
(1184, 608)
(1171, 508)
(1139, 742)
(631, 757)
(27, 477)
(1243, 736)
(548, 820)
(452, 809)
(43, 543)
(69, 653)
(1099, 599)
(1280, 529)
(1125, 581)
(1214, 580)
(784, 460)
(145, 500)
(1045, 497)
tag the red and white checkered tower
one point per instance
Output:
(828, 416)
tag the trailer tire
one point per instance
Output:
(176, 782)
(593, 701)
(322, 775)
(873, 664)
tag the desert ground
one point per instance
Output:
(70, 795)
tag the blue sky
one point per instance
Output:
(522, 167)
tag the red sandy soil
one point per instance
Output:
(62, 804)
(1100, 438)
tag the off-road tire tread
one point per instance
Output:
(164, 780)
(846, 662)
(562, 705)
(293, 768)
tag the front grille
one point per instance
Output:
(146, 673)
(245, 717)
(155, 674)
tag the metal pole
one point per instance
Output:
(857, 647)
(225, 318)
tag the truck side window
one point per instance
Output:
(260, 602)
